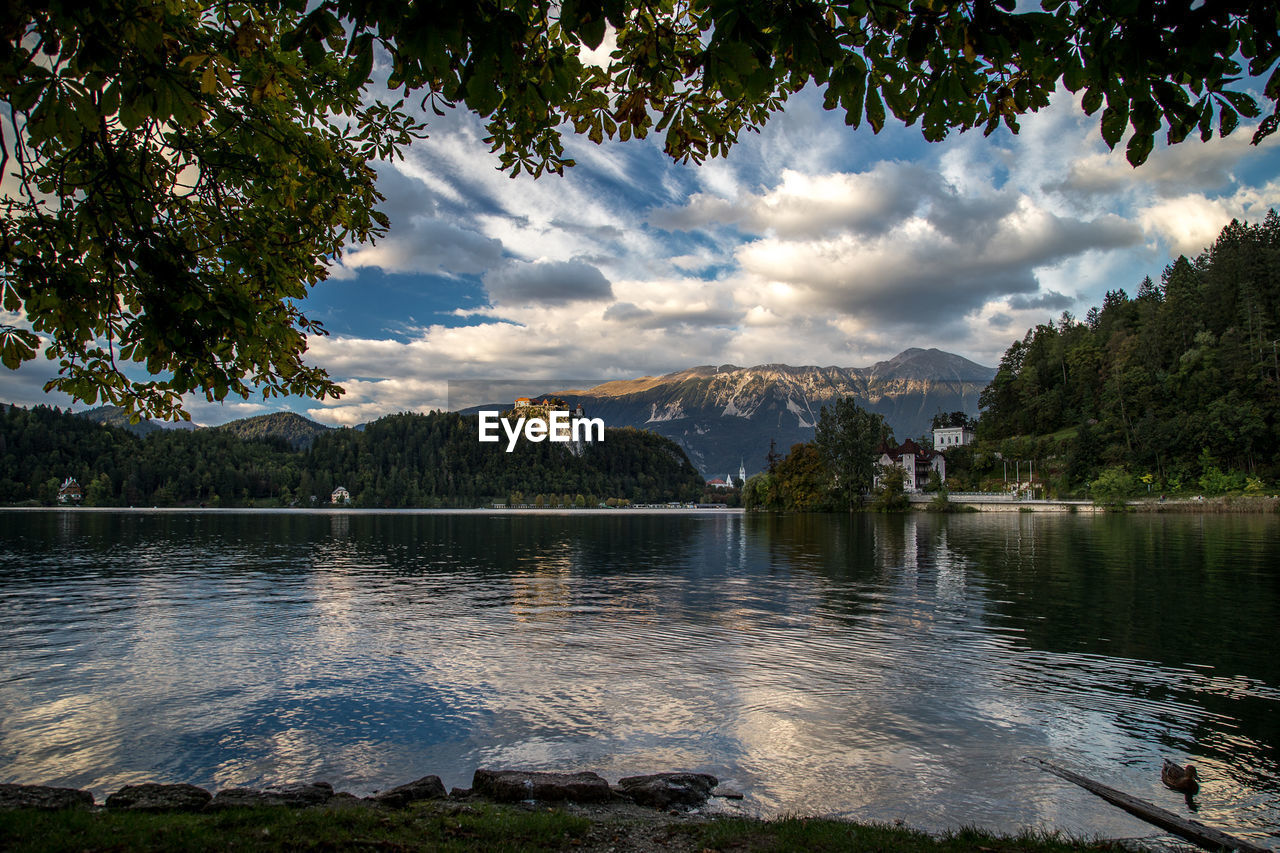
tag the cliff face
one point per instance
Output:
(720, 415)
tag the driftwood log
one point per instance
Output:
(1194, 831)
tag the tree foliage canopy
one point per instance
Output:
(177, 173)
(848, 439)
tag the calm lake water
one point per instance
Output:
(869, 667)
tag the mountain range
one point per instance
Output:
(293, 428)
(725, 416)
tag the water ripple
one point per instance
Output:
(913, 660)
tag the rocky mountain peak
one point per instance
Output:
(719, 413)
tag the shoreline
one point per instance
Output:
(491, 827)
(1223, 505)
(464, 820)
(338, 510)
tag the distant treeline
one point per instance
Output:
(405, 460)
(1179, 382)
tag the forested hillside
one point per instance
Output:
(398, 461)
(415, 460)
(1177, 381)
(296, 430)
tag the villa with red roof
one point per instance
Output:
(915, 461)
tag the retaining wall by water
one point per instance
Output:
(1005, 503)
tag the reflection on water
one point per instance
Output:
(869, 667)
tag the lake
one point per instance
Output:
(871, 667)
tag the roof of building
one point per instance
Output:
(908, 446)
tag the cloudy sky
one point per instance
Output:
(811, 244)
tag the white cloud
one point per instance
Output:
(803, 204)
(1190, 223)
(1171, 170)
(948, 260)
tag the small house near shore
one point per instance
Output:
(70, 492)
(340, 496)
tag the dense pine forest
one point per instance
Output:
(405, 460)
(1178, 384)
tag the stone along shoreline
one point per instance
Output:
(657, 790)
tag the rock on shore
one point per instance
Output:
(42, 797)
(663, 790)
(296, 795)
(426, 788)
(154, 797)
(513, 786)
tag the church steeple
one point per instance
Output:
(742, 471)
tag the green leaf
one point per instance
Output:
(922, 35)
(1244, 104)
(362, 63)
(17, 346)
(1206, 119)
(1092, 101)
(28, 93)
(852, 102)
(331, 28)
(1227, 121)
(1272, 89)
(483, 93)
(592, 32)
(1114, 122)
(1074, 76)
(569, 16)
(1139, 147)
(1266, 127)
(875, 109)
(109, 103)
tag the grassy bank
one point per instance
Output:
(1214, 505)
(482, 827)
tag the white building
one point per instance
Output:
(340, 496)
(949, 437)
